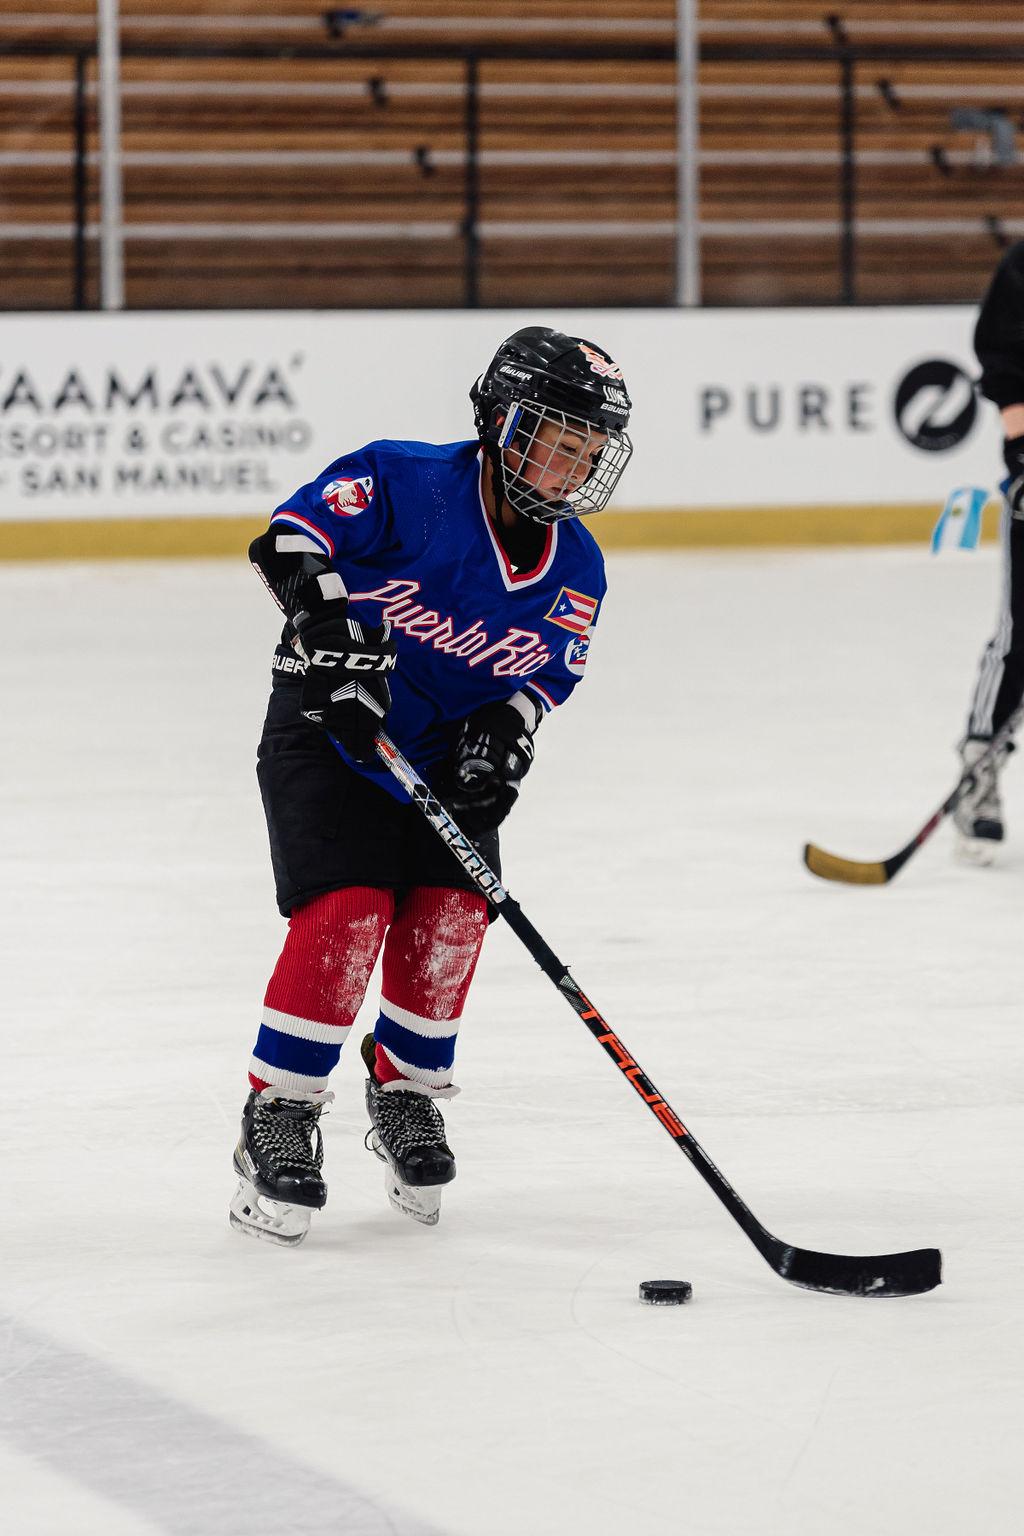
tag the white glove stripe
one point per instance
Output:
(357, 692)
(331, 585)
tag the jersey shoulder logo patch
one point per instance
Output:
(349, 497)
(576, 654)
(574, 611)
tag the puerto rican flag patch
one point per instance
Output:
(349, 497)
(573, 611)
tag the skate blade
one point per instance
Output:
(421, 1202)
(270, 1220)
(978, 851)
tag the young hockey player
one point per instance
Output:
(999, 344)
(445, 594)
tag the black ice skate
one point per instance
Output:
(407, 1133)
(278, 1160)
(979, 815)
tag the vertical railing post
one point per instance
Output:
(111, 191)
(688, 284)
(847, 178)
(80, 202)
(470, 223)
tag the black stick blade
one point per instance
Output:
(882, 1274)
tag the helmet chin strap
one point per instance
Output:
(499, 478)
(497, 469)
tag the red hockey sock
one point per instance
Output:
(317, 986)
(429, 960)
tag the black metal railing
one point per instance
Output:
(847, 57)
(348, 47)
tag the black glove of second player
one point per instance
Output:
(345, 689)
(494, 751)
(1013, 458)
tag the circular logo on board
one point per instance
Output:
(935, 405)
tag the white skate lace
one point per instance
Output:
(981, 801)
(989, 807)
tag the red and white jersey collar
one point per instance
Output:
(512, 578)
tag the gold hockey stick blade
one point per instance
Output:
(828, 866)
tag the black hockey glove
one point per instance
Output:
(494, 751)
(1013, 458)
(345, 690)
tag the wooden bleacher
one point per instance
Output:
(349, 171)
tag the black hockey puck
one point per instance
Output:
(665, 1293)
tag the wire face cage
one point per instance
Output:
(557, 465)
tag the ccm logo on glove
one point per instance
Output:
(352, 712)
(354, 661)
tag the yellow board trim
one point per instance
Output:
(761, 527)
(140, 538)
(172, 538)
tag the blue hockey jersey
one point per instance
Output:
(405, 526)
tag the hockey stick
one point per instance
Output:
(829, 866)
(887, 1274)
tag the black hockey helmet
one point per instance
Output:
(551, 411)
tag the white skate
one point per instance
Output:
(978, 818)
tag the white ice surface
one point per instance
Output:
(852, 1059)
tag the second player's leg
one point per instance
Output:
(998, 691)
